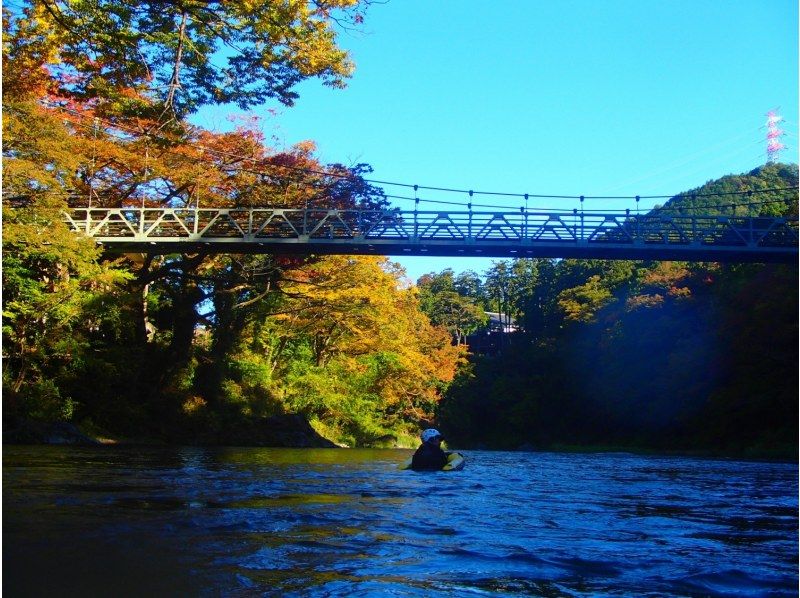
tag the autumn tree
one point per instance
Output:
(346, 345)
(52, 279)
(119, 80)
(664, 355)
(156, 59)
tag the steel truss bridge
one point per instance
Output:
(441, 233)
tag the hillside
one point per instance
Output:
(651, 355)
(761, 200)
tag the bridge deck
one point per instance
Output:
(443, 233)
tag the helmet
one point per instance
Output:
(430, 434)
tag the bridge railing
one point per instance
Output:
(110, 225)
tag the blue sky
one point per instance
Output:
(621, 97)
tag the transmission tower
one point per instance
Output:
(774, 134)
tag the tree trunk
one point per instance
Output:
(228, 328)
(183, 326)
(144, 329)
(175, 82)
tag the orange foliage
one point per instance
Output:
(670, 277)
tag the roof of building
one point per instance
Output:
(494, 318)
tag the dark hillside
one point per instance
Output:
(659, 355)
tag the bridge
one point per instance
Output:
(500, 234)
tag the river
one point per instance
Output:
(166, 521)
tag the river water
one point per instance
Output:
(132, 521)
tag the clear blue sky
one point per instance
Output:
(580, 97)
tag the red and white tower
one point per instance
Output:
(774, 134)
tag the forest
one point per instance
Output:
(667, 356)
(249, 349)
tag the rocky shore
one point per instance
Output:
(290, 431)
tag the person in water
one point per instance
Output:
(430, 454)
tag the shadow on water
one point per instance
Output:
(115, 521)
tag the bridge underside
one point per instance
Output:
(604, 251)
(452, 234)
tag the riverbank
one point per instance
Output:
(293, 431)
(289, 431)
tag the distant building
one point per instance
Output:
(507, 324)
(489, 339)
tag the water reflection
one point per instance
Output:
(243, 522)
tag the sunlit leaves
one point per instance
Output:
(581, 303)
(51, 283)
(176, 57)
(358, 321)
(209, 339)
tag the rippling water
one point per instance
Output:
(248, 522)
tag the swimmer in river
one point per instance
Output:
(430, 454)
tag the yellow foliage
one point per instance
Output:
(352, 307)
(193, 404)
(581, 303)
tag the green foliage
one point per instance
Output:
(53, 282)
(145, 57)
(663, 355)
(469, 284)
(581, 303)
(191, 348)
(44, 402)
(452, 303)
(340, 398)
(459, 315)
(760, 201)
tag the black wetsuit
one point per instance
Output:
(429, 456)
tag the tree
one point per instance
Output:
(498, 288)
(190, 346)
(446, 305)
(469, 284)
(51, 277)
(538, 305)
(770, 191)
(523, 283)
(581, 303)
(158, 60)
(431, 284)
(357, 354)
(458, 314)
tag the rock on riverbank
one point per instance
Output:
(25, 431)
